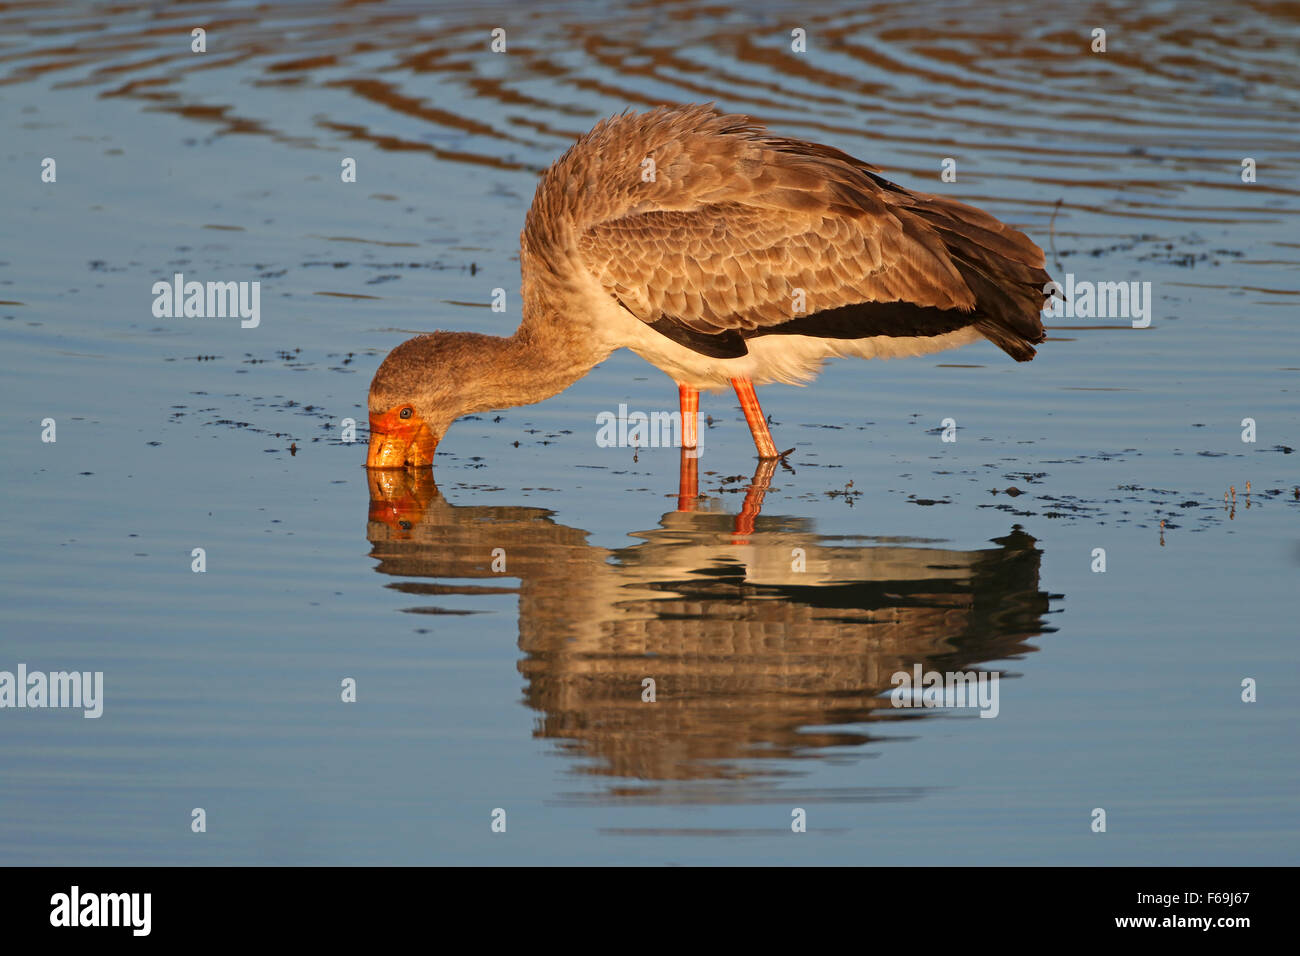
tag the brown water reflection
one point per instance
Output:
(753, 660)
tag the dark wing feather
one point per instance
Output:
(740, 229)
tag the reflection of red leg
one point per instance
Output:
(690, 400)
(754, 416)
(688, 482)
(754, 499)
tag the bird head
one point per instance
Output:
(414, 396)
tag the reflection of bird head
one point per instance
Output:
(399, 499)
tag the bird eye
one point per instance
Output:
(405, 412)
(404, 525)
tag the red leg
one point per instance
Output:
(690, 401)
(754, 500)
(688, 482)
(754, 416)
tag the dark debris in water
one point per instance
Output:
(848, 493)
(290, 360)
(1184, 251)
(1159, 503)
(267, 412)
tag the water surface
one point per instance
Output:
(521, 688)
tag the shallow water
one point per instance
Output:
(521, 688)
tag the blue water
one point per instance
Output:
(521, 689)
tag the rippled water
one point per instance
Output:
(520, 688)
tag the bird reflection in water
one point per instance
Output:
(767, 642)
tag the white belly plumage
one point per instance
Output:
(772, 359)
(784, 359)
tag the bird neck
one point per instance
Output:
(527, 367)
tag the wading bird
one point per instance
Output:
(724, 255)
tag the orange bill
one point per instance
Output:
(396, 442)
